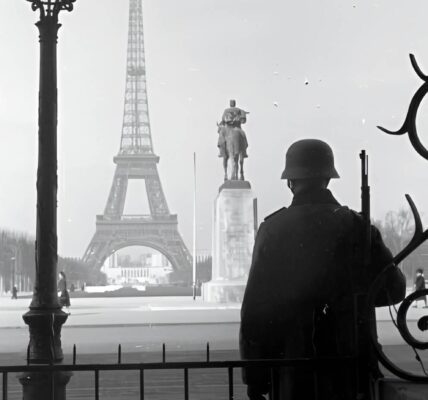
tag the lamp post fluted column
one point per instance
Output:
(45, 317)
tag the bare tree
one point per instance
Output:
(397, 229)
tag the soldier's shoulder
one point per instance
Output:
(348, 214)
(357, 216)
(276, 214)
(357, 221)
(346, 211)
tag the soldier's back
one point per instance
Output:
(310, 247)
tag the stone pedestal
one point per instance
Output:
(234, 227)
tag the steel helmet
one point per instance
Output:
(309, 158)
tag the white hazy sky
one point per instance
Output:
(201, 53)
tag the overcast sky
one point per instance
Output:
(201, 53)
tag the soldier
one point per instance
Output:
(307, 265)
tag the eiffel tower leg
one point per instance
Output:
(116, 199)
(94, 253)
(184, 257)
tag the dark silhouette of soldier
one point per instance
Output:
(307, 265)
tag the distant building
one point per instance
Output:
(148, 269)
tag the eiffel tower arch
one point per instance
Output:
(137, 160)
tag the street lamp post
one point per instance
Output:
(45, 317)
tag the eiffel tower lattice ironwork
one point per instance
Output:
(136, 160)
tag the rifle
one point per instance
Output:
(365, 206)
(363, 316)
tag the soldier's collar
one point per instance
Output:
(317, 196)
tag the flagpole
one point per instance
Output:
(194, 227)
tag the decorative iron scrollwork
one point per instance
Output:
(409, 125)
(51, 8)
(381, 356)
(419, 237)
(402, 320)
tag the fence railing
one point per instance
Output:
(273, 365)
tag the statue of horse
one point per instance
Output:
(232, 146)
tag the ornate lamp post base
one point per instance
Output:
(45, 348)
(40, 385)
(45, 335)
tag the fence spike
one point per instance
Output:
(119, 354)
(208, 351)
(5, 386)
(163, 352)
(74, 354)
(186, 384)
(230, 373)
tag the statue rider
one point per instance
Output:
(232, 117)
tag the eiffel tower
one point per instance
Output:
(136, 160)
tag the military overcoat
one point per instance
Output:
(307, 264)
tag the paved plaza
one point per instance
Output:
(141, 325)
(125, 311)
(109, 311)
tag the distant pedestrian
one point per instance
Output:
(15, 293)
(420, 285)
(64, 297)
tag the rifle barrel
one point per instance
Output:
(365, 203)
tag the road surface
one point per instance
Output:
(141, 325)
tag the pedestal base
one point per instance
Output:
(223, 291)
(234, 225)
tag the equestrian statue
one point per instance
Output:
(232, 140)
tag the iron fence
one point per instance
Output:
(273, 365)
